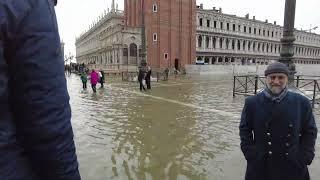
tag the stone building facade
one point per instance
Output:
(180, 33)
(109, 44)
(224, 39)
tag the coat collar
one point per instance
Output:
(275, 98)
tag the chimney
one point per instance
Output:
(275, 22)
(266, 20)
(220, 10)
(214, 8)
(201, 6)
(247, 16)
(254, 17)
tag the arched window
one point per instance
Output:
(133, 50)
(199, 41)
(227, 43)
(244, 45)
(233, 44)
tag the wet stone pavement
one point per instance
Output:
(186, 129)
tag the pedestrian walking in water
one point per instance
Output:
(102, 78)
(36, 136)
(148, 78)
(277, 130)
(166, 72)
(84, 79)
(94, 77)
(141, 75)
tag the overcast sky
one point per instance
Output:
(75, 16)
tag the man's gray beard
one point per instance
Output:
(276, 90)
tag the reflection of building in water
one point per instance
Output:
(178, 33)
(223, 38)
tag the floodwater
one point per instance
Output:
(184, 129)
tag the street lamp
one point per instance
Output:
(314, 28)
(287, 50)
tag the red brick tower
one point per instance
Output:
(170, 27)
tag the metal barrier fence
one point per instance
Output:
(249, 85)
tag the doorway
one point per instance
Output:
(176, 64)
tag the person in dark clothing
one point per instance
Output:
(148, 78)
(84, 79)
(141, 75)
(277, 130)
(166, 72)
(102, 78)
(36, 136)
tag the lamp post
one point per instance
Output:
(143, 62)
(287, 50)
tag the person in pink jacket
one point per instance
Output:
(94, 77)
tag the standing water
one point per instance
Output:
(185, 129)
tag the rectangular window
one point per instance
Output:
(264, 32)
(227, 26)
(165, 56)
(200, 21)
(155, 37)
(255, 30)
(245, 29)
(250, 30)
(215, 24)
(259, 31)
(208, 23)
(155, 8)
(234, 27)
(239, 28)
(221, 25)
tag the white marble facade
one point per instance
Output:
(224, 39)
(108, 44)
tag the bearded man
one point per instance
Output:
(277, 130)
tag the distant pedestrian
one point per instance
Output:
(140, 79)
(94, 76)
(84, 80)
(166, 72)
(102, 78)
(148, 78)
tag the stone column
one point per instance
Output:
(203, 44)
(197, 44)
(230, 44)
(210, 42)
(241, 45)
(224, 43)
(246, 46)
(217, 42)
(210, 60)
